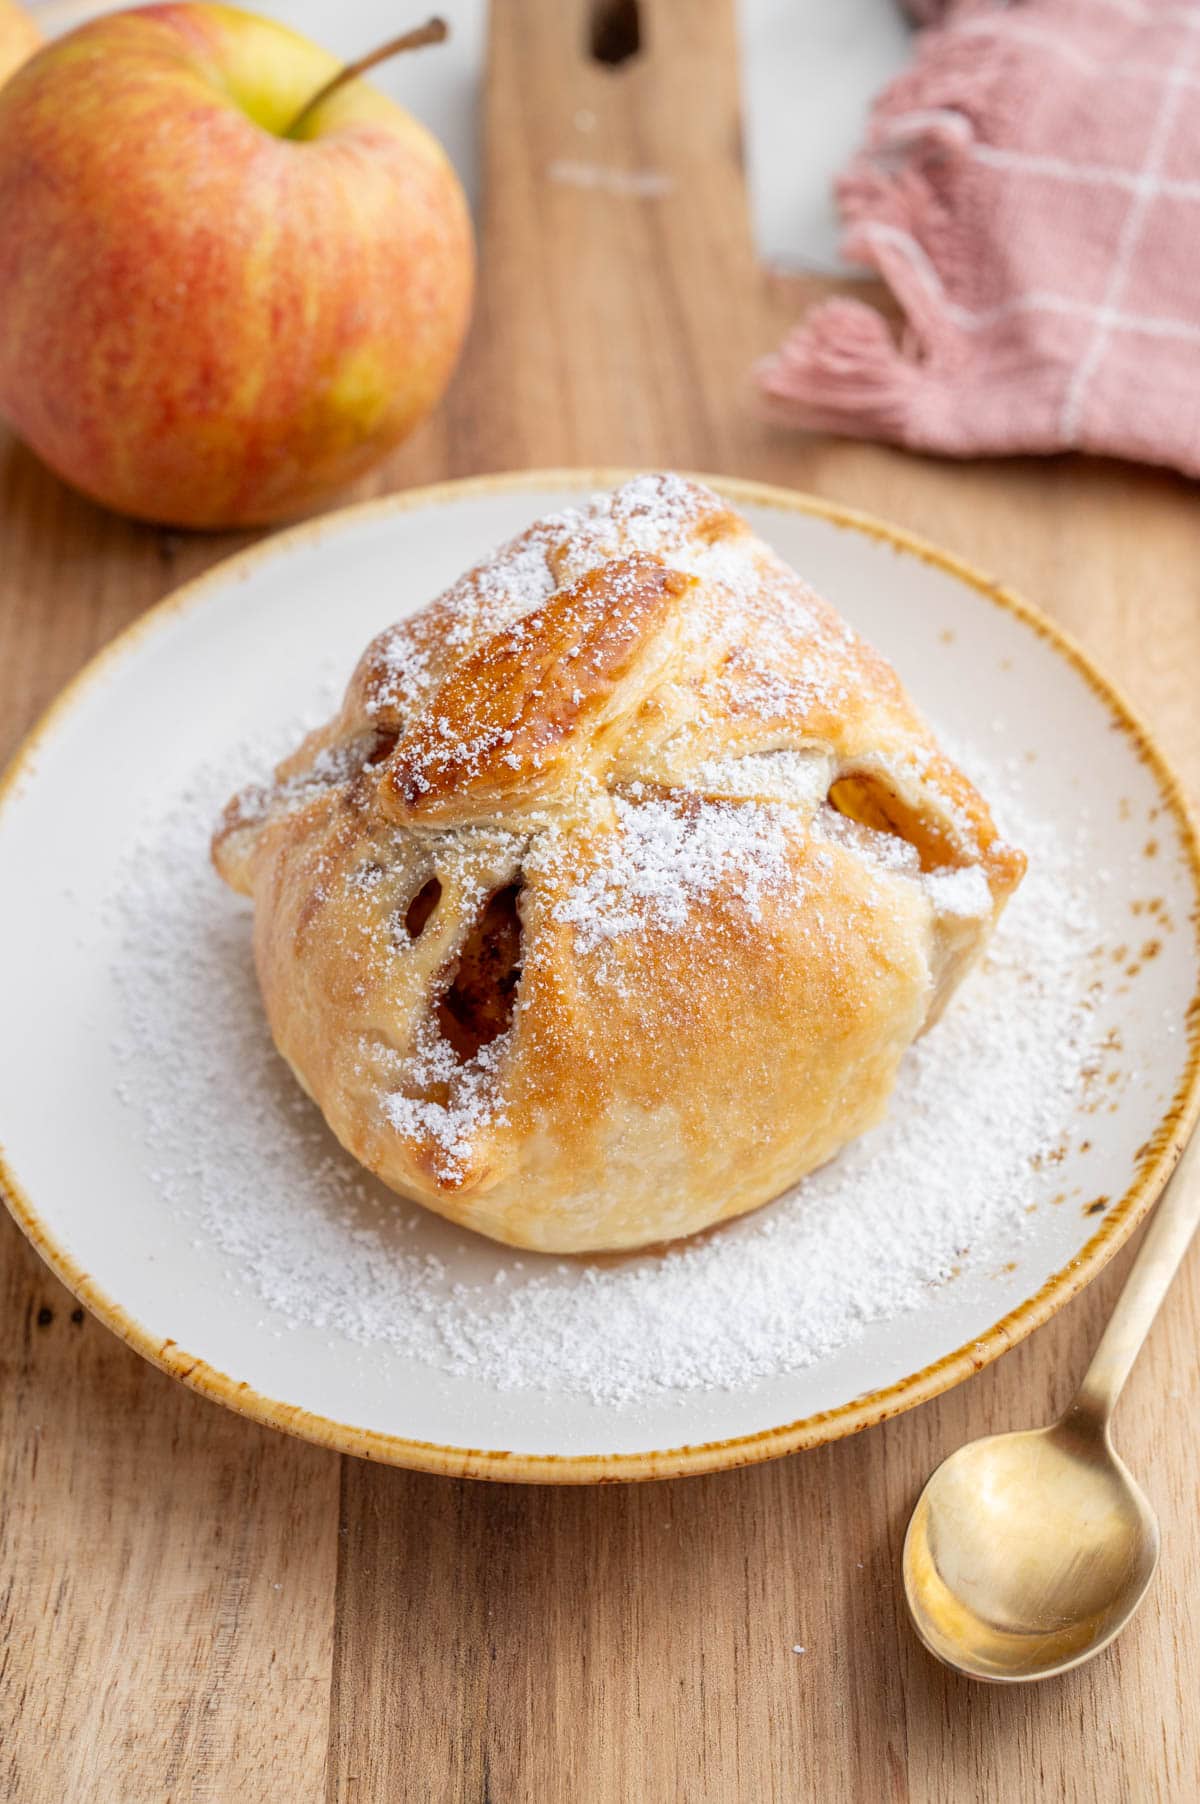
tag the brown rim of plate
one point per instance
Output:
(1119, 1221)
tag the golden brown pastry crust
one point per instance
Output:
(608, 903)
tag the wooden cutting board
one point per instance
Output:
(194, 1608)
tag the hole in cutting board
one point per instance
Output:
(615, 33)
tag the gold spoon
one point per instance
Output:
(1028, 1553)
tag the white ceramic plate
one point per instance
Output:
(254, 640)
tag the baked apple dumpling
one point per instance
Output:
(607, 905)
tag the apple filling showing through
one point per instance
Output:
(477, 1006)
(868, 801)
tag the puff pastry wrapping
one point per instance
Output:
(608, 903)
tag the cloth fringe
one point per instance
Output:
(842, 371)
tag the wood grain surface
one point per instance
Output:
(194, 1608)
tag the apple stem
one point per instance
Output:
(434, 31)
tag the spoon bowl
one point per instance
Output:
(1027, 1553)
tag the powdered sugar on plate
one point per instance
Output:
(943, 1186)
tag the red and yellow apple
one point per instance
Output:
(205, 321)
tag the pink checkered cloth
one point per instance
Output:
(1030, 193)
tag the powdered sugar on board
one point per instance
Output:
(943, 1186)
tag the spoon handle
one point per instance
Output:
(1171, 1228)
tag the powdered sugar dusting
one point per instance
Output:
(887, 850)
(799, 777)
(238, 1152)
(662, 857)
(961, 895)
(748, 601)
(455, 1101)
(410, 657)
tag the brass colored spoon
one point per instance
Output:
(1028, 1553)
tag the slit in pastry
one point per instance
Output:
(422, 906)
(477, 1006)
(870, 801)
(382, 747)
